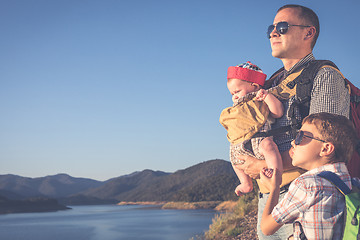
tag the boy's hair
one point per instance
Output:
(309, 16)
(337, 130)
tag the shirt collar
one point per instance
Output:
(284, 74)
(339, 167)
(308, 58)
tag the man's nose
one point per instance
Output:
(274, 33)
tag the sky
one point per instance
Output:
(102, 88)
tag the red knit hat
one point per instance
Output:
(247, 72)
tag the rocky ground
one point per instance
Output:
(249, 228)
(249, 232)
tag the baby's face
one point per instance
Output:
(239, 88)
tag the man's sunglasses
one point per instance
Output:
(300, 135)
(282, 28)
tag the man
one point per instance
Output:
(292, 37)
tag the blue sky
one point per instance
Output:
(100, 89)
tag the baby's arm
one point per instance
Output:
(245, 185)
(269, 150)
(275, 106)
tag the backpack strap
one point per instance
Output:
(352, 198)
(279, 130)
(305, 82)
(268, 83)
(302, 235)
(336, 180)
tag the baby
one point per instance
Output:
(252, 109)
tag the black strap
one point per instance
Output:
(336, 180)
(269, 83)
(276, 131)
(304, 84)
(302, 234)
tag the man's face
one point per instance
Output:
(290, 45)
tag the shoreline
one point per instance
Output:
(215, 205)
(123, 203)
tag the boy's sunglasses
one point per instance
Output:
(299, 137)
(281, 28)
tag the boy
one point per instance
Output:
(315, 207)
(244, 81)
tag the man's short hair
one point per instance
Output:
(337, 130)
(309, 16)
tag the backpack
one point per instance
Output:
(304, 84)
(351, 217)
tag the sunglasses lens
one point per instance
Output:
(299, 137)
(269, 31)
(282, 27)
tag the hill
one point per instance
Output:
(213, 180)
(30, 205)
(60, 185)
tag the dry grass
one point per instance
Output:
(140, 203)
(226, 206)
(191, 205)
(232, 223)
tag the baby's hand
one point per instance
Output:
(271, 178)
(268, 172)
(261, 95)
(242, 188)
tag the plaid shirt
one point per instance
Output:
(329, 94)
(315, 203)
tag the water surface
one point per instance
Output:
(106, 222)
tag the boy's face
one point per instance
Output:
(306, 155)
(239, 88)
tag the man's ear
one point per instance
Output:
(310, 33)
(327, 149)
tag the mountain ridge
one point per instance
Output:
(212, 180)
(52, 186)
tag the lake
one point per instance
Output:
(106, 222)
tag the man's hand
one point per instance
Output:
(252, 166)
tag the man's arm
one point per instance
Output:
(329, 93)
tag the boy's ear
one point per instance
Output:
(327, 149)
